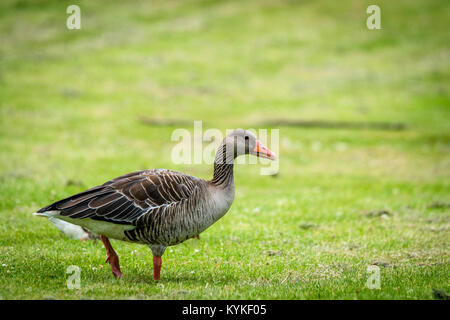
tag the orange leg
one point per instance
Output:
(112, 257)
(157, 262)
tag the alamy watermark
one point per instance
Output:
(190, 148)
(74, 20)
(74, 278)
(374, 20)
(374, 280)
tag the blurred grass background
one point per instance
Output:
(71, 104)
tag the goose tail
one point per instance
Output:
(71, 230)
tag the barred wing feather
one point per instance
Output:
(126, 198)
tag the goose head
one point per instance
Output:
(241, 142)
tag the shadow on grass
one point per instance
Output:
(320, 124)
(138, 277)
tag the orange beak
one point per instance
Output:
(263, 152)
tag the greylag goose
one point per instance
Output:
(157, 207)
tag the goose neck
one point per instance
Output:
(223, 167)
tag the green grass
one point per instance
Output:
(70, 103)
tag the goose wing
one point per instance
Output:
(124, 199)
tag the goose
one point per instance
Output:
(157, 207)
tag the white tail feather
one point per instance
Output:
(69, 229)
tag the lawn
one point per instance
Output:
(72, 104)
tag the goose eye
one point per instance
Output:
(246, 137)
